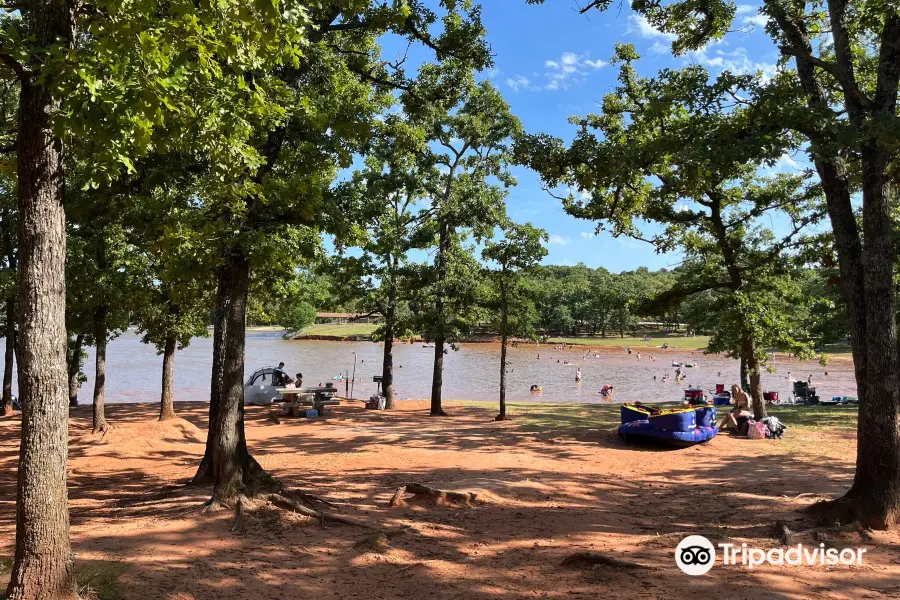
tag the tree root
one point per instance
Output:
(856, 509)
(820, 534)
(286, 503)
(590, 559)
(420, 490)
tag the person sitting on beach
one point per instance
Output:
(299, 381)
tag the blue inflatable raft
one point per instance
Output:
(643, 431)
(679, 427)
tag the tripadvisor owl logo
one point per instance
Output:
(695, 555)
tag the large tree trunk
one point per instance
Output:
(879, 445)
(387, 369)
(100, 335)
(205, 473)
(167, 396)
(833, 172)
(9, 357)
(43, 567)
(504, 327)
(236, 472)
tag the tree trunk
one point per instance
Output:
(100, 335)
(753, 368)
(167, 397)
(204, 474)
(73, 365)
(504, 327)
(879, 445)
(236, 472)
(745, 380)
(42, 568)
(387, 369)
(437, 378)
(8, 358)
(869, 490)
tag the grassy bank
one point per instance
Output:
(541, 417)
(696, 342)
(340, 330)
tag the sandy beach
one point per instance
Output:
(545, 488)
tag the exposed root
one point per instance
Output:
(286, 503)
(590, 559)
(439, 413)
(239, 512)
(423, 491)
(820, 534)
(857, 509)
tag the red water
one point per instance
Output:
(134, 370)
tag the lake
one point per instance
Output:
(471, 373)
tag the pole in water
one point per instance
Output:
(353, 379)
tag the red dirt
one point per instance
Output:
(540, 497)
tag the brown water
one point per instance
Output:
(471, 373)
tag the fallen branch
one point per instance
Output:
(593, 559)
(418, 489)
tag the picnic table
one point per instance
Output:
(318, 398)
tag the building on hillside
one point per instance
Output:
(343, 318)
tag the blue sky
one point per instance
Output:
(551, 63)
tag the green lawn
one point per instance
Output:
(696, 342)
(347, 330)
(540, 416)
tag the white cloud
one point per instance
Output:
(761, 20)
(743, 9)
(518, 82)
(569, 68)
(588, 234)
(562, 240)
(492, 73)
(660, 48)
(641, 26)
(736, 61)
(784, 164)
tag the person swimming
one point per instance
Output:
(536, 389)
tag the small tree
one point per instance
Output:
(467, 184)
(520, 250)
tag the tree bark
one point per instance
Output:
(73, 364)
(9, 357)
(236, 472)
(167, 396)
(387, 369)
(204, 474)
(100, 337)
(437, 379)
(874, 497)
(42, 568)
(745, 379)
(753, 368)
(504, 328)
